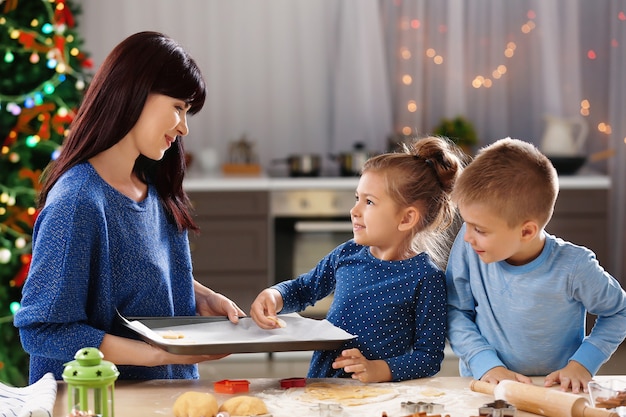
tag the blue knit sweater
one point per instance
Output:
(397, 309)
(95, 251)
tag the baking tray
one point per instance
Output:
(216, 335)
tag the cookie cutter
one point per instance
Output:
(411, 407)
(328, 410)
(498, 408)
(231, 386)
(292, 383)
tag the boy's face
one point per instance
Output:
(491, 237)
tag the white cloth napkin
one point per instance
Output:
(36, 400)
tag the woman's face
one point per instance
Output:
(162, 119)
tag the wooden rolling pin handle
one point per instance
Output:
(482, 386)
(598, 412)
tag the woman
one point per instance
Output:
(112, 232)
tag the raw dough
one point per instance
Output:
(280, 322)
(244, 405)
(170, 334)
(195, 404)
(432, 392)
(347, 394)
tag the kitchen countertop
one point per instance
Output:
(198, 182)
(156, 397)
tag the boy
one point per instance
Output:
(518, 296)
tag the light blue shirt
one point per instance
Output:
(531, 318)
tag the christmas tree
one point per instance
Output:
(42, 78)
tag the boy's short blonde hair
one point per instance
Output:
(514, 179)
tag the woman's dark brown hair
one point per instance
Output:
(144, 63)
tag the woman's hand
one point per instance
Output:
(123, 351)
(210, 303)
(265, 307)
(352, 361)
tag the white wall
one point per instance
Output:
(295, 76)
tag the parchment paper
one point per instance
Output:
(223, 336)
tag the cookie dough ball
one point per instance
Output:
(195, 404)
(244, 405)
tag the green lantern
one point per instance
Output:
(90, 383)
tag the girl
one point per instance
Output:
(388, 283)
(112, 232)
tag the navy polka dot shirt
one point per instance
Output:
(397, 309)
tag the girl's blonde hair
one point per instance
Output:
(423, 175)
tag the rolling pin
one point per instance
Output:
(540, 400)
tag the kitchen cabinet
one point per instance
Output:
(581, 217)
(231, 253)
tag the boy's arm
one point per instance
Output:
(603, 296)
(465, 337)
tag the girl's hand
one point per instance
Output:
(265, 307)
(352, 361)
(210, 303)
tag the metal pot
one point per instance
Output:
(351, 163)
(305, 165)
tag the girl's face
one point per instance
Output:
(162, 119)
(376, 217)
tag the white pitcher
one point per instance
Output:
(559, 139)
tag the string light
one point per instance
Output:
(5, 255)
(32, 141)
(585, 107)
(605, 128)
(14, 306)
(14, 109)
(48, 88)
(9, 57)
(20, 243)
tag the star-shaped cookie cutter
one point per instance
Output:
(421, 407)
(498, 408)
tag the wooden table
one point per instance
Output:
(156, 397)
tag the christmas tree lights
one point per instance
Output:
(43, 73)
